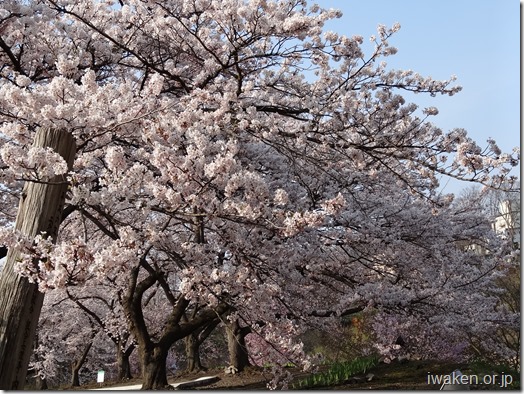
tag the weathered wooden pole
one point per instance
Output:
(40, 208)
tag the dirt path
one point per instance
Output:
(409, 375)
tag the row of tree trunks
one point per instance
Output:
(236, 340)
(154, 359)
(192, 327)
(39, 211)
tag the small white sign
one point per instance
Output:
(100, 377)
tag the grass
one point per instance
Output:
(413, 375)
(337, 373)
(503, 372)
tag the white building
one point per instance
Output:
(507, 222)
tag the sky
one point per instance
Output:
(476, 40)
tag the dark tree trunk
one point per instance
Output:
(236, 343)
(122, 357)
(39, 211)
(193, 342)
(154, 371)
(194, 363)
(77, 364)
(75, 376)
(153, 354)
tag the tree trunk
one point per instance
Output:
(193, 342)
(77, 364)
(153, 355)
(75, 378)
(236, 343)
(122, 358)
(154, 371)
(194, 363)
(39, 211)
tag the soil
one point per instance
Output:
(253, 378)
(406, 375)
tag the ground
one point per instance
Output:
(408, 375)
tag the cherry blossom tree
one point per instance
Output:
(107, 314)
(235, 159)
(69, 341)
(501, 206)
(499, 341)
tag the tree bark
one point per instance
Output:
(236, 343)
(77, 364)
(193, 342)
(194, 363)
(39, 211)
(154, 371)
(122, 357)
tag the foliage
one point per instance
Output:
(500, 345)
(347, 339)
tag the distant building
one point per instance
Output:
(507, 222)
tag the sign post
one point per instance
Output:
(100, 377)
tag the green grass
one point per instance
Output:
(482, 368)
(337, 373)
(286, 365)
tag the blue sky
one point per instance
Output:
(478, 41)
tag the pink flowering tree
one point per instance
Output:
(236, 161)
(70, 346)
(106, 314)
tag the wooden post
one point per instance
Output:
(40, 209)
